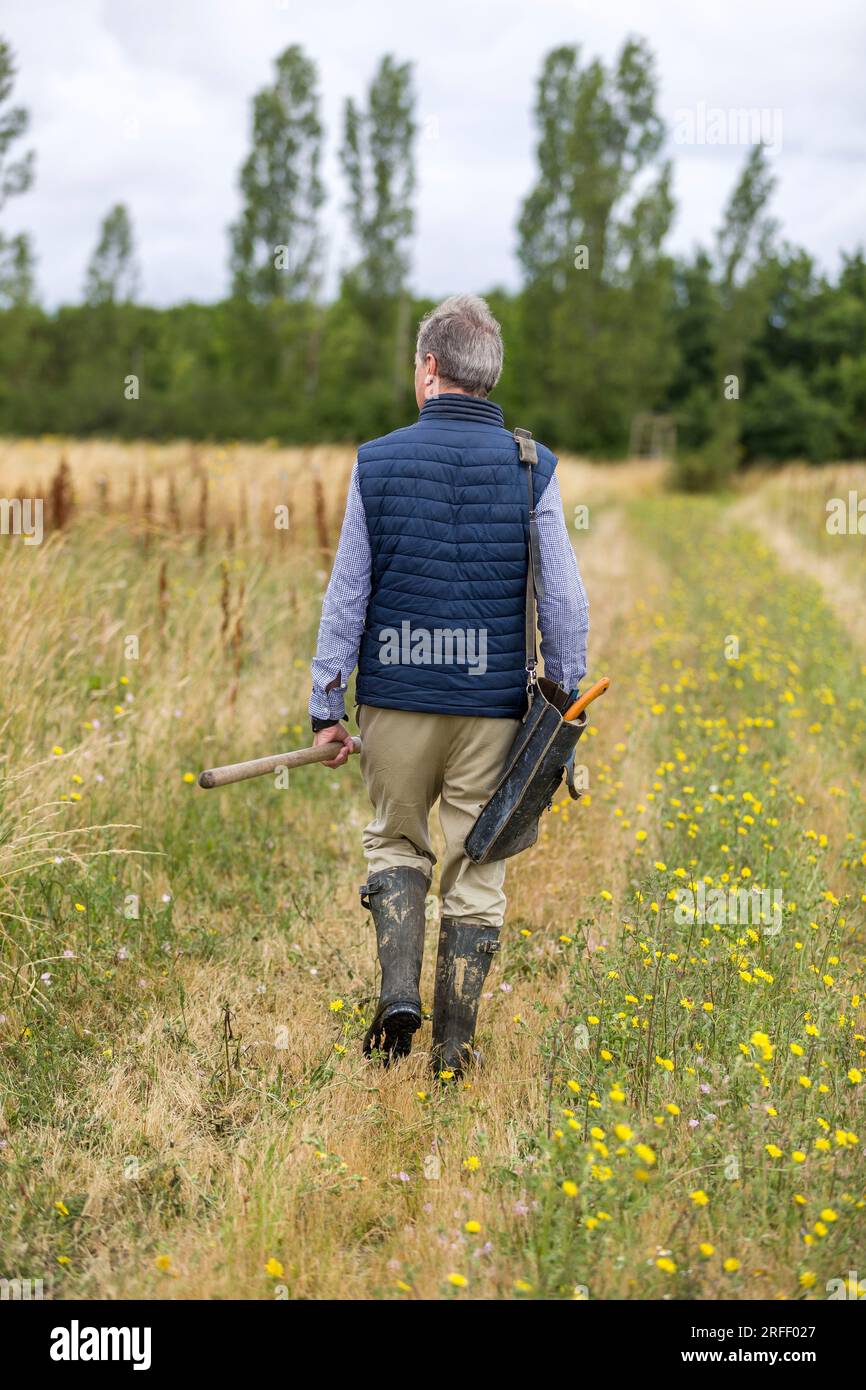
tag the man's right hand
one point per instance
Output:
(335, 733)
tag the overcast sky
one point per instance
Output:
(147, 102)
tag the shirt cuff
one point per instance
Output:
(328, 702)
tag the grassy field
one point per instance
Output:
(673, 1096)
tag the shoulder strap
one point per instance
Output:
(534, 586)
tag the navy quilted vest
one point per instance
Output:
(446, 501)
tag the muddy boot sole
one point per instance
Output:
(392, 1034)
(400, 1026)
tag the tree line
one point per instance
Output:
(743, 347)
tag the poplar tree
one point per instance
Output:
(16, 176)
(276, 242)
(377, 157)
(112, 275)
(744, 247)
(590, 237)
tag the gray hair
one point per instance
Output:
(466, 341)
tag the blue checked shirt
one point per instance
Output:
(563, 613)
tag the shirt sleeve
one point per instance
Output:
(563, 613)
(344, 611)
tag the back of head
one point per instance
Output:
(466, 341)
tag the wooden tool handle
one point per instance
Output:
(257, 767)
(587, 698)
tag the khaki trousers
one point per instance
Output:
(409, 760)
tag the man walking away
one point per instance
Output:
(427, 599)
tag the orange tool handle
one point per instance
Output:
(587, 698)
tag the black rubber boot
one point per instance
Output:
(396, 899)
(465, 952)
